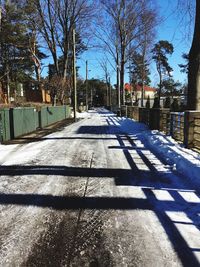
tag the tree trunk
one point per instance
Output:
(8, 82)
(118, 82)
(66, 60)
(55, 60)
(65, 68)
(193, 97)
(142, 95)
(160, 86)
(122, 78)
(38, 73)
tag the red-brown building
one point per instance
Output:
(136, 90)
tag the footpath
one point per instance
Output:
(185, 161)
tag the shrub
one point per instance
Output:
(148, 102)
(156, 103)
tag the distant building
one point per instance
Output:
(136, 91)
(148, 92)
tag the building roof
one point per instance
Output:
(127, 87)
(146, 88)
(137, 87)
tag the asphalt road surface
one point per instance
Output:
(93, 195)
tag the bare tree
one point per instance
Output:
(104, 66)
(57, 86)
(57, 19)
(149, 21)
(107, 41)
(126, 18)
(48, 18)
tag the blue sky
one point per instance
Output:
(169, 29)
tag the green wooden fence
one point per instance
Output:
(15, 122)
(4, 125)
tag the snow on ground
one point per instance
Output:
(5, 151)
(83, 115)
(150, 216)
(185, 161)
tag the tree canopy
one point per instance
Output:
(160, 52)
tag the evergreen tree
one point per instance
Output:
(15, 64)
(167, 102)
(184, 67)
(34, 50)
(171, 88)
(156, 103)
(160, 52)
(148, 102)
(139, 71)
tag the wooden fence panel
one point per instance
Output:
(177, 126)
(165, 121)
(182, 126)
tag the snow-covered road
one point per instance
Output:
(104, 191)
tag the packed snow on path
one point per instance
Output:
(184, 161)
(105, 191)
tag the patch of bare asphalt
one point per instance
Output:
(72, 239)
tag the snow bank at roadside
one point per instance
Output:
(131, 127)
(82, 115)
(5, 151)
(85, 114)
(186, 161)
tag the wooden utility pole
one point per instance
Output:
(110, 94)
(74, 73)
(107, 93)
(86, 85)
(91, 97)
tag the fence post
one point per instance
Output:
(168, 122)
(188, 129)
(164, 120)
(11, 121)
(161, 122)
(154, 118)
(140, 114)
(1, 128)
(171, 124)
